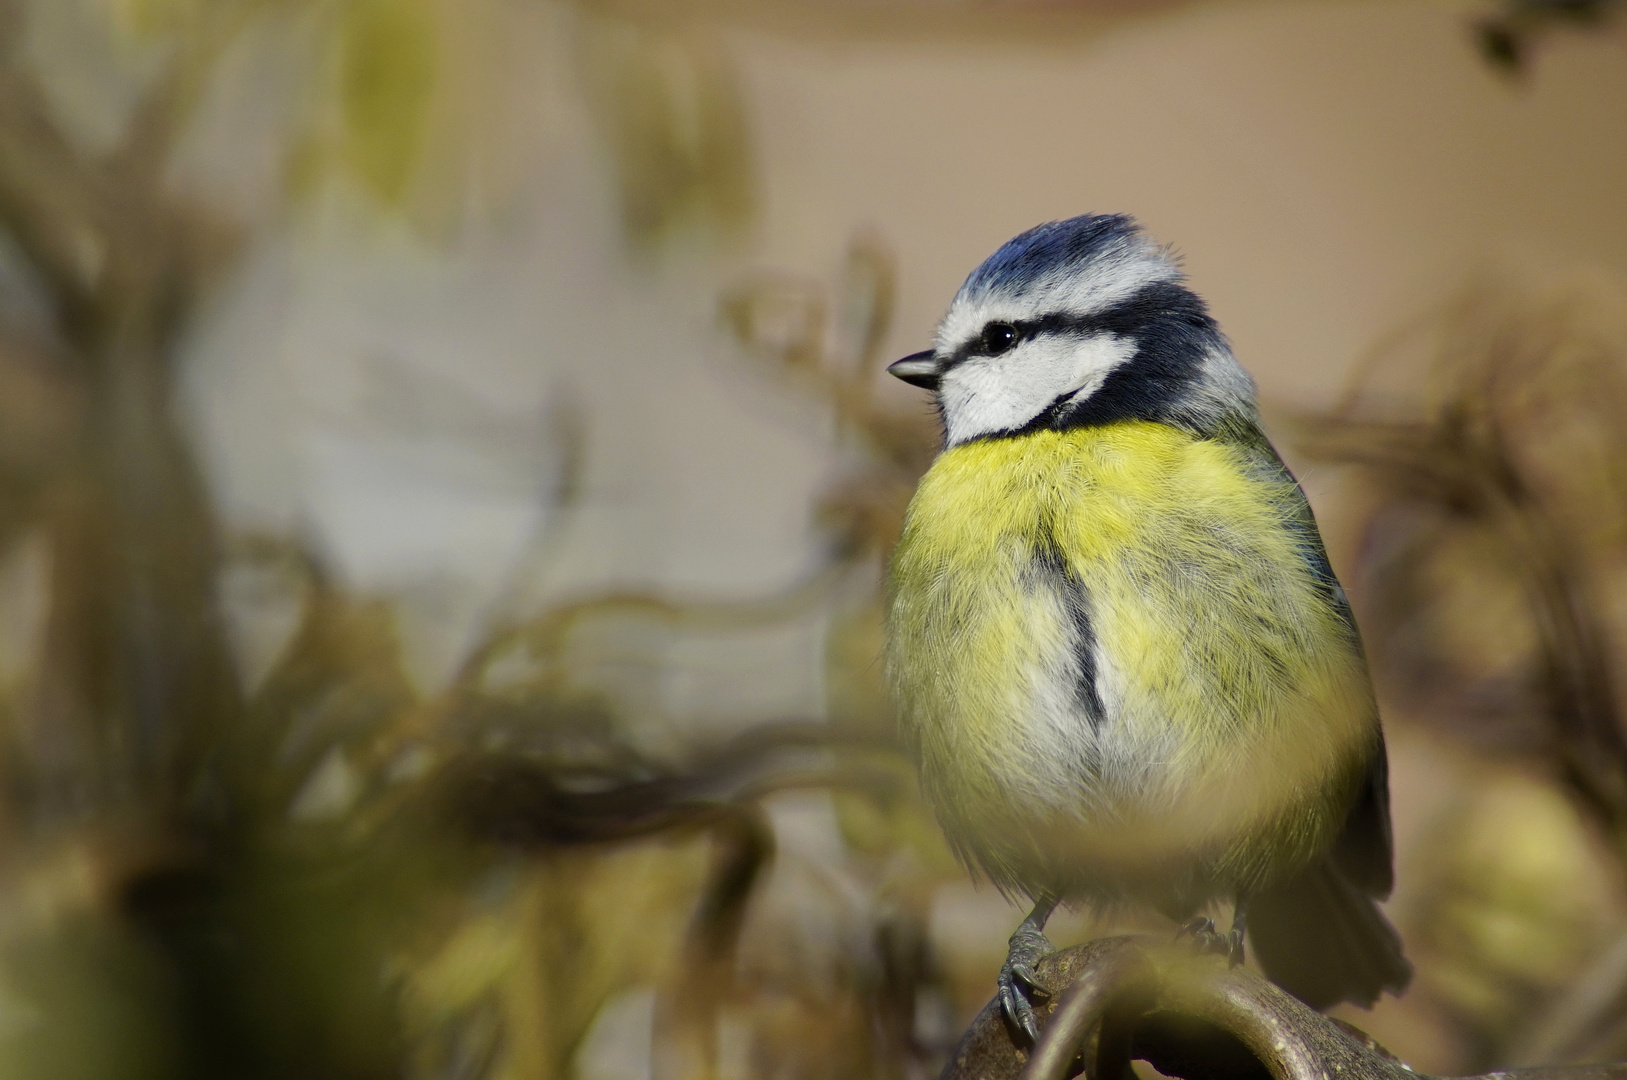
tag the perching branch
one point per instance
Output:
(1122, 998)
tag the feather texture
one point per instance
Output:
(1227, 721)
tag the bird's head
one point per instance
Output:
(1078, 322)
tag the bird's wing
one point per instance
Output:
(1269, 466)
(1364, 850)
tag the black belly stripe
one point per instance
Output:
(1060, 577)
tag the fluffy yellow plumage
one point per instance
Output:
(1238, 716)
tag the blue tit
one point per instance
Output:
(1115, 645)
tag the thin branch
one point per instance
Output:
(49, 197)
(164, 111)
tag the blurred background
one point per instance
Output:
(446, 477)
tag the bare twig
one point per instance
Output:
(545, 636)
(50, 201)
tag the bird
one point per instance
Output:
(1116, 648)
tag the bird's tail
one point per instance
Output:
(1323, 940)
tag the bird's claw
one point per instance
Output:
(1019, 985)
(1017, 994)
(1211, 941)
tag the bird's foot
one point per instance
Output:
(1209, 941)
(1019, 986)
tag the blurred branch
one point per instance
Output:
(544, 637)
(49, 201)
(533, 804)
(686, 1014)
(104, 233)
(1464, 462)
(135, 658)
(540, 808)
(672, 108)
(1507, 39)
(163, 112)
(784, 322)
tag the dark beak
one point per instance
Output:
(918, 369)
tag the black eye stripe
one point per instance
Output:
(1161, 303)
(1022, 330)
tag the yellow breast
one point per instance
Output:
(1232, 693)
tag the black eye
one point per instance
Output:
(998, 337)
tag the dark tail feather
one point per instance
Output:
(1325, 941)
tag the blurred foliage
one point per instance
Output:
(266, 853)
(1511, 895)
(242, 855)
(1491, 572)
(670, 108)
(1489, 580)
(1508, 38)
(388, 64)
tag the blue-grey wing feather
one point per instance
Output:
(1364, 849)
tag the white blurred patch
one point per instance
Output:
(438, 522)
(329, 792)
(714, 682)
(263, 603)
(805, 825)
(362, 422)
(618, 1045)
(394, 402)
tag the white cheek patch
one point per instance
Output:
(986, 395)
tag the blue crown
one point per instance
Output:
(1053, 249)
